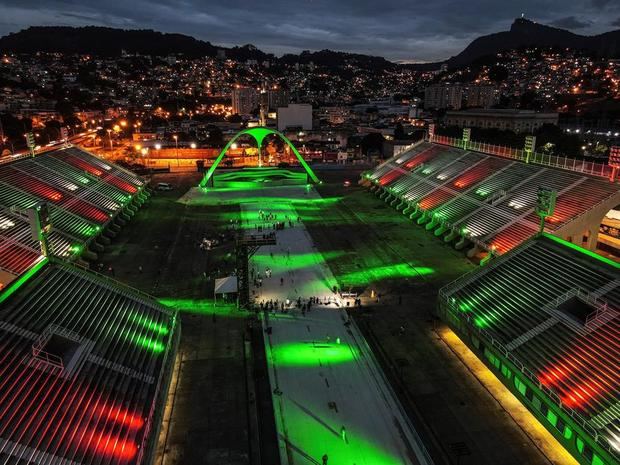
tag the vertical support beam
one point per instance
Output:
(466, 137)
(243, 278)
(614, 161)
(530, 147)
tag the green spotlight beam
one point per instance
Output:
(259, 134)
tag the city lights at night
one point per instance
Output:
(321, 233)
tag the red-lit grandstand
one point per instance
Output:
(84, 369)
(86, 195)
(545, 317)
(468, 196)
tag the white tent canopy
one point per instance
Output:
(227, 285)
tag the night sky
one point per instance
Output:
(408, 30)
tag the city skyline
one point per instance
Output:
(399, 30)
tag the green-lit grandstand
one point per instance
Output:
(86, 195)
(545, 319)
(84, 362)
(470, 197)
(84, 369)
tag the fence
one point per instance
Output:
(555, 161)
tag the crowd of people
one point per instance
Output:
(270, 221)
(302, 304)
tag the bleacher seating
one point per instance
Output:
(552, 308)
(84, 369)
(481, 198)
(85, 195)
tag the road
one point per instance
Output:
(330, 396)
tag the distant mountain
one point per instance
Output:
(103, 41)
(106, 41)
(524, 32)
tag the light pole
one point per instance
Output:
(176, 143)
(110, 137)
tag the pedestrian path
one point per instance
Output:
(331, 400)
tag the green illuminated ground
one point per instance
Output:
(352, 267)
(363, 242)
(163, 239)
(300, 354)
(204, 307)
(446, 396)
(315, 357)
(249, 178)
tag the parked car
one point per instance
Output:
(163, 186)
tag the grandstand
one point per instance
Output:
(88, 198)
(84, 369)
(544, 317)
(487, 202)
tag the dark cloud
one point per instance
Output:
(616, 22)
(396, 29)
(602, 3)
(570, 22)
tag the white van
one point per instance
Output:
(164, 186)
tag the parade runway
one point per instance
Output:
(330, 397)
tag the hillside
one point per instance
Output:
(528, 33)
(105, 41)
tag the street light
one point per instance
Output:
(193, 145)
(5, 142)
(110, 137)
(176, 143)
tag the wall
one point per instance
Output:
(589, 221)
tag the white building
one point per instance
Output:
(482, 96)
(296, 115)
(441, 96)
(244, 100)
(514, 120)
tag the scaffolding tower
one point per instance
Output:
(245, 247)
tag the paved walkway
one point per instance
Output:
(330, 396)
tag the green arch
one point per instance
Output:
(259, 134)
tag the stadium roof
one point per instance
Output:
(552, 307)
(84, 193)
(82, 367)
(488, 199)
